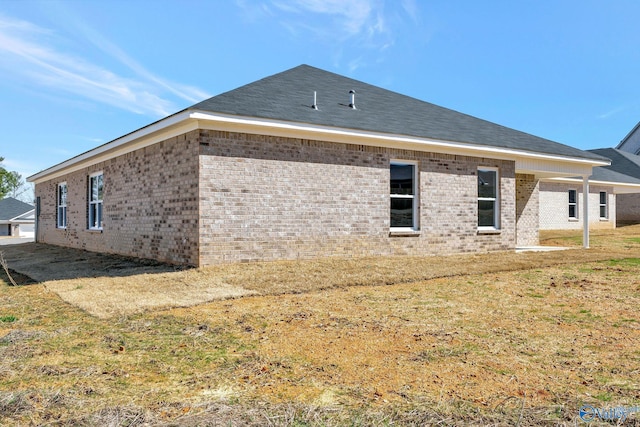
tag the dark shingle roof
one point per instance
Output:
(625, 167)
(288, 96)
(11, 208)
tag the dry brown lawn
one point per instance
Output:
(499, 339)
(106, 296)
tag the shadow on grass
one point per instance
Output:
(30, 263)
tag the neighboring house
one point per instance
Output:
(614, 193)
(631, 142)
(628, 198)
(17, 218)
(629, 204)
(303, 164)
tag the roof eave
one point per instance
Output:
(142, 137)
(618, 187)
(192, 119)
(233, 122)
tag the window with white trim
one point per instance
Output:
(96, 188)
(573, 204)
(488, 199)
(604, 214)
(404, 198)
(62, 205)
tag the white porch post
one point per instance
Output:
(585, 212)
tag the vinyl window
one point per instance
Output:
(604, 214)
(96, 189)
(404, 198)
(62, 205)
(488, 199)
(573, 204)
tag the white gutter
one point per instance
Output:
(619, 187)
(345, 135)
(192, 119)
(146, 132)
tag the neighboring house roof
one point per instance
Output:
(623, 163)
(289, 96)
(11, 209)
(631, 142)
(623, 174)
(282, 105)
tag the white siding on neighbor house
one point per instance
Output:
(554, 207)
(631, 143)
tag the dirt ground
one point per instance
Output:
(44, 263)
(486, 339)
(113, 285)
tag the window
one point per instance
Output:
(404, 200)
(488, 199)
(573, 204)
(95, 201)
(603, 205)
(62, 205)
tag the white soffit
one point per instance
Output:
(525, 161)
(618, 187)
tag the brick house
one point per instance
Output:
(303, 164)
(614, 195)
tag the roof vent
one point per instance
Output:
(315, 104)
(352, 104)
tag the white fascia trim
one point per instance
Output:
(189, 120)
(239, 123)
(163, 129)
(17, 218)
(619, 187)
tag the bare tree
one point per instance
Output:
(12, 184)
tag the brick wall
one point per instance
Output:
(554, 207)
(210, 197)
(628, 208)
(150, 204)
(527, 210)
(271, 198)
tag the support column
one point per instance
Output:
(585, 212)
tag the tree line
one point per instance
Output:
(11, 183)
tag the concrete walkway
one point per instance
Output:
(521, 249)
(15, 240)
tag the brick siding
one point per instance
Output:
(554, 207)
(267, 198)
(210, 197)
(527, 210)
(628, 208)
(150, 204)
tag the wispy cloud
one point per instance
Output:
(188, 93)
(30, 52)
(356, 32)
(348, 19)
(611, 113)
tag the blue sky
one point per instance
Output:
(76, 74)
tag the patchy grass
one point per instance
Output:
(124, 295)
(523, 345)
